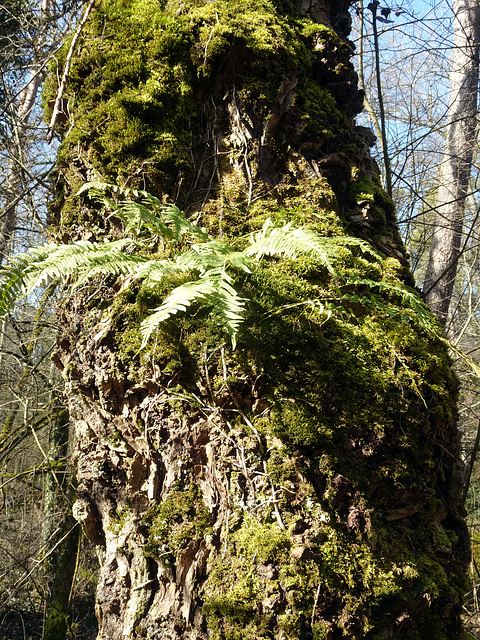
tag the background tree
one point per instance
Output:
(454, 180)
(418, 117)
(31, 413)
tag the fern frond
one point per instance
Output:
(167, 220)
(178, 300)
(215, 289)
(153, 271)
(82, 259)
(12, 281)
(226, 252)
(228, 306)
(291, 242)
(208, 264)
(137, 216)
(182, 224)
(409, 298)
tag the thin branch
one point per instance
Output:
(66, 71)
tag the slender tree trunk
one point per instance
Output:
(61, 531)
(21, 110)
(454, 177)
(15, 183)
(307, 484)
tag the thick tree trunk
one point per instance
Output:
(454, 178)
(305, 485)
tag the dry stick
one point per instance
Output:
(315, 604)
(66, 71)
(75, 571)
(274, 499)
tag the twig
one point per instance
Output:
(66, 71)
(274, 501)
(315, 604)
(379, 129)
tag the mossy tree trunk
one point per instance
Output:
(306, 484)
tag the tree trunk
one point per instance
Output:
(14, 188)
(305, 485)
(61, 531)
(20, 111)
(454, 178)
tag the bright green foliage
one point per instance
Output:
(208, 261)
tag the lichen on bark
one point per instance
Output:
(304, 485)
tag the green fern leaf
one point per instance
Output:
(291, 242)
(138, 215)
(82, 259)
(178, 300)
(209, 264)
(153, 271)
(182, 225)
(228, 306)
(12, 281)
(226, 253)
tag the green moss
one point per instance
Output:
(231, 600)
(320, 112)
(133, 109)
(377, 374)
(381, 207)
(120, 518)
(179, 520)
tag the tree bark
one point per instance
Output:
(305, 485)
(454, 177)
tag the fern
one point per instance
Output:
(291, 242)
(409, 299)
(154, 271)
(178, 300)
(210, 265)
(12, 278)
(228, 306)
(149, 214)
(82, 259)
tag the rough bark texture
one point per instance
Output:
(454, 178)
(306, 484)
